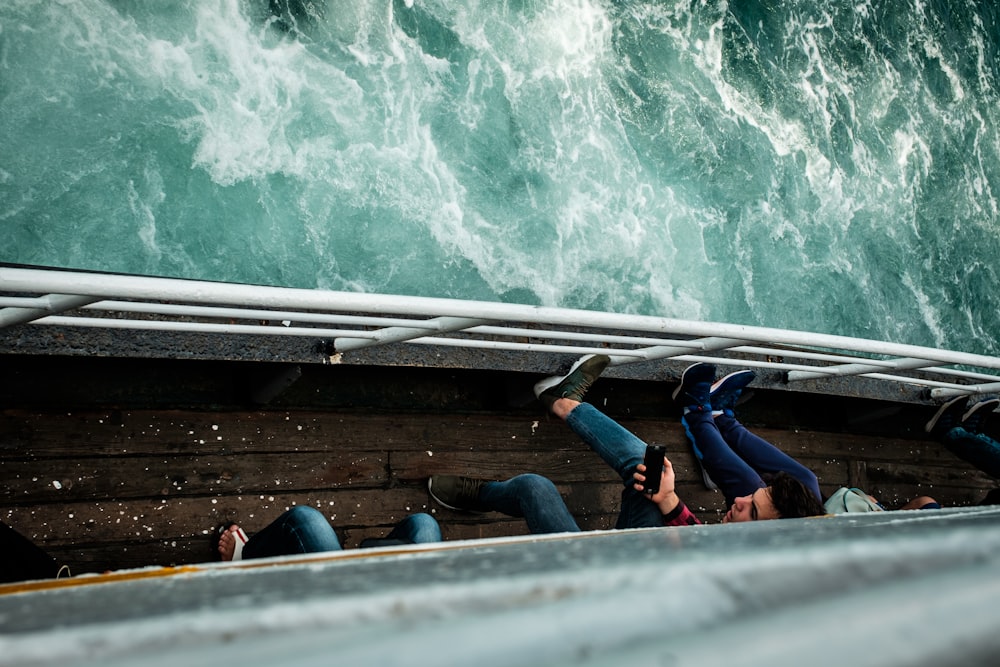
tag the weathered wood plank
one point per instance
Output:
(105, 478)
(929, 476)
(142, 487)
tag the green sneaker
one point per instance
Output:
(456, 492)
(574, 384)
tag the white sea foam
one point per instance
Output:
(706, 160)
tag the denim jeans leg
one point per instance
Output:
(532, 497)
(980, 450)
(762, 456)
(300, 530)
(416, 529)
(732, 474)
(619, 448)
(638, 511)
(623, 451)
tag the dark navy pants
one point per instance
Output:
(735, 458)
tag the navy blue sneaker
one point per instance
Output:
(726, 391)
(948, 416)
(694, 391)
(974, 419)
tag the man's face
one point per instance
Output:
(755, 507)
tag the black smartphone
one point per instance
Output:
(654, 468)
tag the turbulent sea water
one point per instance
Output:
(827, 166)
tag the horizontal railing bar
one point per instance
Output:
(295, 316)
(990, 388)
(451, 322)
(630, 355)
(248, 314)
(24, 302)
(172, 289)
(618, 356)
(201, 327)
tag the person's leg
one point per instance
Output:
(761, 455)
(638, 511)
(416, 529)
(619, 448)
(616, 445)
(978, 449)
(532, 497)
(922, 503)
(300, 530)
(731, 474)
(623, 451)
(734, 476)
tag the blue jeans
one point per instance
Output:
(980, 450)
(621, 450)
(735, 458)
(414, 529)
(532, 497)
(303, 530)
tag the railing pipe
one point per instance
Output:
(858, 369)
(118, 286)
(54, 303)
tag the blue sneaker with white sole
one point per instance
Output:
(726, 391)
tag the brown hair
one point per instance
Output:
(792, 498)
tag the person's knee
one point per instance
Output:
(530, 485)
(424, 528)
(920, 503)
(304, 516)
(309, 530)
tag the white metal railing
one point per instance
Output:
(41, 297)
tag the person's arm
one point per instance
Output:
(675, 512)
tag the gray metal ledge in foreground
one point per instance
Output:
(894, 588)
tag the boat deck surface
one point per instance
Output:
(124, 463)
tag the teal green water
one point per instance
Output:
(819, 166)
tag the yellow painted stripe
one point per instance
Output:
(305, 559)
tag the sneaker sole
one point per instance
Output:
(944, 408)
(990, 403)
(718, 384)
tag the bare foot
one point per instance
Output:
(227, 542)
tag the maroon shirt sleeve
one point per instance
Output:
(680, 516)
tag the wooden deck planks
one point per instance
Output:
(103, 485)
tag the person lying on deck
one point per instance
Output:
(959, 427)
(733, 456)
(303, 530)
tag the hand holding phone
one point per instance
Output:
(654, 468)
